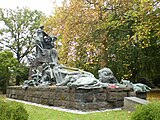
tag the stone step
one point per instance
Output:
(131, 102)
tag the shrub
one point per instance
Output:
(150, 111)
(12, 111)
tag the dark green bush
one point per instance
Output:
(149, 111)
(12, 111)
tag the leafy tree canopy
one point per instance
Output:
(18, 30)
(123, 35)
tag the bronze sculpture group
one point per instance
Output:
(47, 71)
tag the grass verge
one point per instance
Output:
(38, 113)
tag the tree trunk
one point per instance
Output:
(17, 80)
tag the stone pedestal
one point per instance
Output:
(79, 99)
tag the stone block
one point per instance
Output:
(52, 95)
(45, 95)
(36, 100)
(114, 96)
(61, 103)
(79, 97)
(126, 89)
(20, 92)
(100, 97)
(96, 106)
(51, 102)
(44, 101)
(14, 96)
(71, 97)
(61, 89)
(142, 95)
(71, 90)
(89, 97)
(118, 104)
(61, 96)
(77, 105)
(25, 97)
(131, 102)
(98, 90)
(81, 90)
(29, 99)
(131, 94)
(20, 97)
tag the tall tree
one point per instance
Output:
(7, 64)
(18, 30)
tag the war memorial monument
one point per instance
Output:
(54, 84)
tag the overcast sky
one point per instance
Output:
(45, 6)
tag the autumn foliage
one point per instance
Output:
(122, 35)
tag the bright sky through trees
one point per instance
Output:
(45, 6)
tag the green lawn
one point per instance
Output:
(39, 113)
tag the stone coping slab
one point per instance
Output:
(137, 100)
(130, 103)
